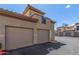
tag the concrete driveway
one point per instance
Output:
(71, 47)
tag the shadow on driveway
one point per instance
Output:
(38, 49)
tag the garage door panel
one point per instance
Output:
(43, 36)
(18, 37)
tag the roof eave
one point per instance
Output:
(15, 15)
(32, 8)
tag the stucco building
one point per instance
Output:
(72, 30)
(76, 30)
(21, 30)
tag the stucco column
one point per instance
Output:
(35, 36)
(50, 36)
(35, 41)
(64, 33)
(52, 33)
(72, 33)
(2, 36)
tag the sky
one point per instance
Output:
(61, 13)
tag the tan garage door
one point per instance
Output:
(18, 37)
(43, 36)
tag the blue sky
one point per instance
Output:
(61, 13)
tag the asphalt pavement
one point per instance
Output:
(71, 47)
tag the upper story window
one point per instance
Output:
(77, 27)
(31, 14)
(43, 20)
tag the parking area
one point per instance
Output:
(71, 47)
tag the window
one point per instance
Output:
(31, 14)
(43, 20)
(77, 27)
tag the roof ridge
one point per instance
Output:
(33, 8)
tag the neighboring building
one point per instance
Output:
(59, 31)
(76, 30)
(68, 30)
(21, 30)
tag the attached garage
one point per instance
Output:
(76, 34)
(43, 36)
(17, 30)
(17, 37)
(67, 33)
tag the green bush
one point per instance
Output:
(0, 45)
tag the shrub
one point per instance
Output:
(0, 45)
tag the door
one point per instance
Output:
(43, 36)
(18, 37)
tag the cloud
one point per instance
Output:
(67, 6)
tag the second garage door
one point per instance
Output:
(43, 36)
(18, 37)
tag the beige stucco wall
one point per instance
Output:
(19, 23)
